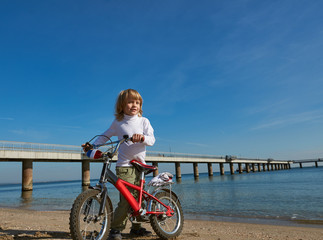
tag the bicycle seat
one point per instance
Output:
(143, 167)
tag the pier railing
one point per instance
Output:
(38, 147)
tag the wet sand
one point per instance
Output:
(19, 224)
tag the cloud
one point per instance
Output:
(313, 152)
(269, 107)
(18, 132)
(198, 144)
(173, 141)
(61, 126)
(7, 118)
(305, 117)
(30, 134)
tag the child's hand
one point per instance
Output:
(138, 138)
(87, 146)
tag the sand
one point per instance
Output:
(21, 224)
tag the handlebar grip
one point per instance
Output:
(88, 146)
(131, 139)
(141, 139)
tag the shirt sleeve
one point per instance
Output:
(105, 136)
(148, 133)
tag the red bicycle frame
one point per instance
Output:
(122, 185)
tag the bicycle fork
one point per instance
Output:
(108, 175)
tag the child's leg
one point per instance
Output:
(131, 175)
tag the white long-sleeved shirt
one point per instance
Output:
(128, 150)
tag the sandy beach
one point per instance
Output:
(27, 224)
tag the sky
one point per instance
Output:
(240, 77)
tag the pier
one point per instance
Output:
(28, 153)
(301, 162)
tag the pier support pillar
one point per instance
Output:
(253, 167)
(210, 169)
(178, 170)
(264, 167)
(259, 168)
(316, 165)
(240, 168)
(221, 168)
(196, 170)
(85, 173)
(272, 167)
(247, 168)
(268, 166)
(27, 175)
(155, 173)
(231, 168)
(300, 165)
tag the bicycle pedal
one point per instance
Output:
(142, 218)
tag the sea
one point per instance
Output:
(285, 197)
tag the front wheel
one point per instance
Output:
(167, 227)
(85, 221)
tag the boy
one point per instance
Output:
(128, 121)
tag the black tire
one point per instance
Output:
(167, 227)
(84, 220)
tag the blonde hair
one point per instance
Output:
(122, 102)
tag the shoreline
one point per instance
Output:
(313, 223)
(216, 218)
(25, 224)
(258, 220)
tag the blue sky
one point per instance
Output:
(217, 77)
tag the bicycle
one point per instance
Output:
(92, 210)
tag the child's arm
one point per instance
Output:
(106, 135)
(149, 138)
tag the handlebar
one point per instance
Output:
(110, 154)
(118, 142)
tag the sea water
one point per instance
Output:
(294, 194)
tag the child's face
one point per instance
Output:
(132, 107)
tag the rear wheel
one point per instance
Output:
(167, 227)
(85, 222)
